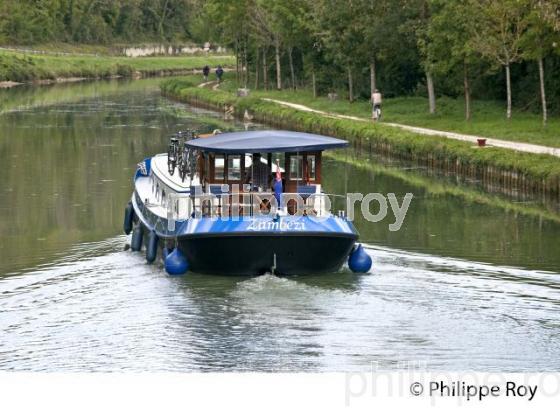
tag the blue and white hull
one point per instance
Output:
(288, 245)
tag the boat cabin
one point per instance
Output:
(252, 159)
(303, 169)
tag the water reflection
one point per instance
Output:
(67, 167)
(449, 219)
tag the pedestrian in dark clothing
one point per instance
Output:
(219, 73)
(206, 72)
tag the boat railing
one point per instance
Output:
(243, 204)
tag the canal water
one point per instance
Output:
(470, 282)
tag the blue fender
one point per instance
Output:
(128, 218)
(152, 247)
(176, 263)
(137, 237)
(359, 260)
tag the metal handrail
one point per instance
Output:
(242, 204)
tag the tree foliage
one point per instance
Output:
(94, 21)
(470, 47)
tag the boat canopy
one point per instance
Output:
(265, 141)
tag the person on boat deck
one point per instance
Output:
(258, 174)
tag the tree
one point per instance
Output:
(496, 33)
(449, 43)
(377, 22)
(294, 30)
(340, 36)
(538, 42)
(417, 20)
(550, 12)
(230, 27)
(265, 24)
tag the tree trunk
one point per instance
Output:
(508, 85)
(543, 93)
(314, 83)
(372, 76)
(245, 59)
(467, 93)
(278, 68)
(161, 21)
(257, 68)
(236, 61)
(431, 92)
(265, 69)
(292, 72)
(350, 85)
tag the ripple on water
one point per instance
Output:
(97, 309)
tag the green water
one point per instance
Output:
(469, 282)
(68, 155)
(450, 219)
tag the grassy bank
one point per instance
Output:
(114, 49)
(20, 67)
(488, 117)
(441, 188)
(523, 171)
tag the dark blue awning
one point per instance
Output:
(265, 141)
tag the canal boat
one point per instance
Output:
(242, 203)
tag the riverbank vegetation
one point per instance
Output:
(496, 50)
(20, 67)
(440, 187)
(490, 123)
(527, 171)
(27, 22)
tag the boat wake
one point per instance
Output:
(97, 309)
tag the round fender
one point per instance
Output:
(359, 260)
(176, 263)
(128, 218)
(136, 240)
(152, 247)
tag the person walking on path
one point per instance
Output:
(376, 101)
(219, 73)
(206, 73)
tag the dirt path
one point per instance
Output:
(517, 146)
(207, 84)
(215, 85)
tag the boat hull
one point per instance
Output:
(287, 245)
(256, 254)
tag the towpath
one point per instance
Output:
(516, 146)
(210, 84)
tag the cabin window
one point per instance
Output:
(234, 167)
(296, 163)
(219, 167)
(311, 161)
